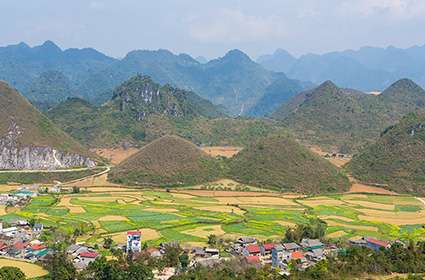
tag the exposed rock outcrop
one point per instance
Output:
(15, 156)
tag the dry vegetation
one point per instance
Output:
(222, 151)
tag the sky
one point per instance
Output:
(210, 28)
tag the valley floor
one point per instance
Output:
(190, 215)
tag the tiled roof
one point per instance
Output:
(89, 254)
(252, 249)
(268, 246)
(378, 242)
(134, 233)
(297, 255)
(252, 259)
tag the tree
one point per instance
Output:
(184, 260)
(212, 239)
(60, 267)
(11, 273)
(75, 189)
(107, 242)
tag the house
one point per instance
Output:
(25, 194)
(266, 249)
(358, 243)
(198, 252)
(253, 260)
(247, 241)
(311, 244)
(376, 244)
(84, 259)
(212, 253)
(315, 255)
(3, 247)
(153, 252)
(291, 247)
(72, 249)
(251, 250)
(38, 227)
(277, 255)
(297, 256)
(11, 231)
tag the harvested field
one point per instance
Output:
(341, 218)
(394, 218)
(204, 232)
(262, 200)
(336, 234)
(147, 234)
(232, 193)
(105, 198)
(318, 202)
(105, 189)
(338, 162)
(369, 204)
(222, 208)
(182, 195)
(65, 201)
(29, 269)
(357, 227)
(221, 151)
(8, 188)
(354, 196)
(113, 218)
(116, 155)
(362, 188)
(3, 210)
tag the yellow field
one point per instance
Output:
(30, 270)
(250, 200)
(204, 232)
(113, 218)
(359, 227)
(336, 234)
(318, 202)
(328, 217)
(224, 209)
(3, 210)
(147, 234)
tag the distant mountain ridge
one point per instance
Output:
(367, 68)
(345, 120)
(233, 81)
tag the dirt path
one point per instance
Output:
(108, 168)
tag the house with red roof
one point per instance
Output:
(266, 249)
(297, 255)
(253, 260)
(376, 244)
(251, 250)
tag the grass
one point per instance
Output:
(261, 221)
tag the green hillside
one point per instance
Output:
(346, 120)
(397, 159)
(127, 119)
(167, 161)
(281, 163)
(35, 128)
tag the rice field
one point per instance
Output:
(189, 216)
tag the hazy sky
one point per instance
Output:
(210, 28)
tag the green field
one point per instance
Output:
(189, 216)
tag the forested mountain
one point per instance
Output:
(234, 80)
(368, 68)
(346, 120)
(142, 110)
(397, 159)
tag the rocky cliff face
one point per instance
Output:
(15, 156)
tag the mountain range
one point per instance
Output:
(367, 69)
(141, 110)
(234, 80)
(345, 120)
